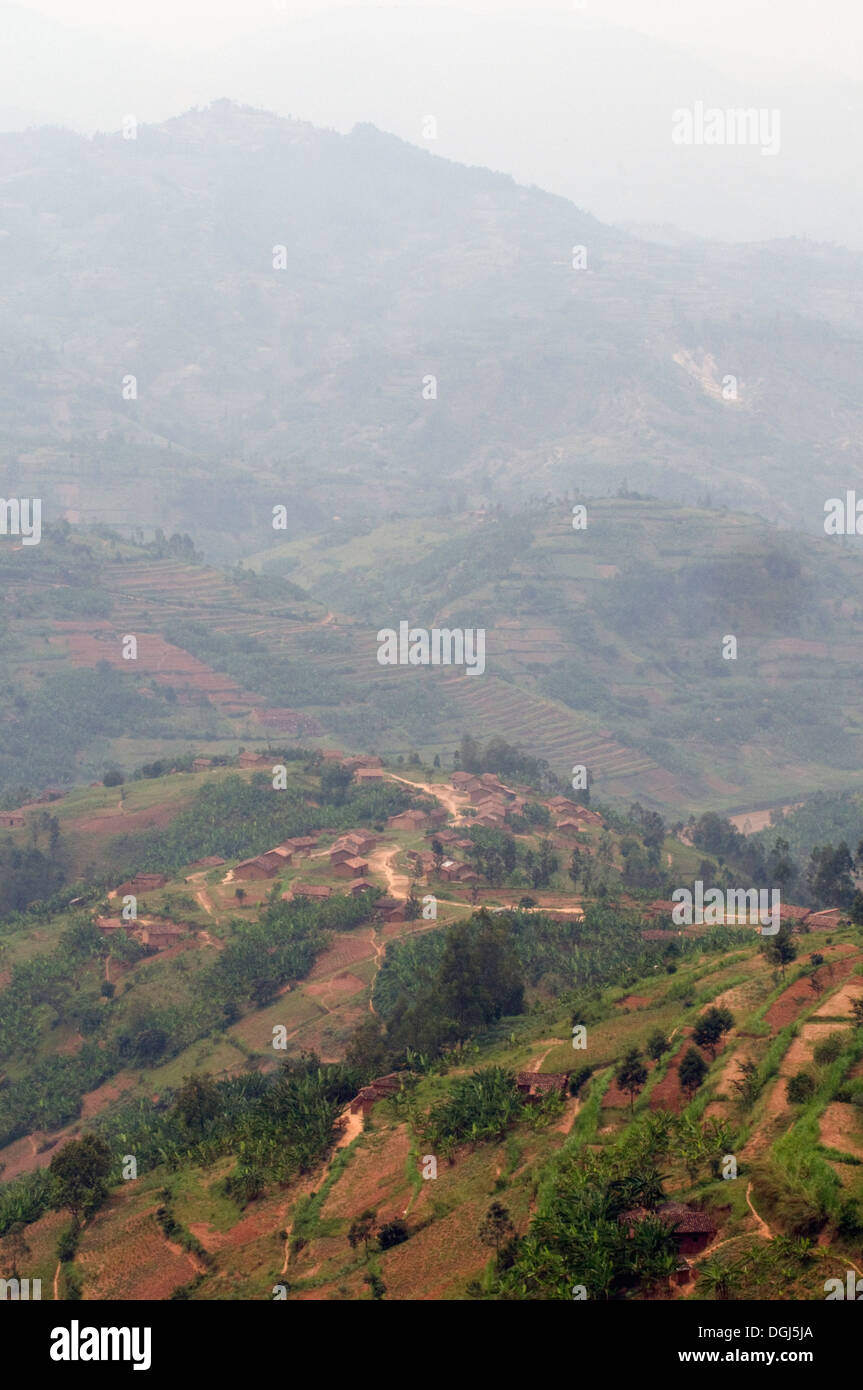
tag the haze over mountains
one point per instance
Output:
(153, 258)
(601, 94)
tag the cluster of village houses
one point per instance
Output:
(488, 799)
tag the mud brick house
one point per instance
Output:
(408, 820)
(420, 863)
(692, 1230)
(566, 809)
(252, 760)
(300, 844)
(789, 913)
(451, 872)
(446, 837)
(490, 795)
(461, 779)
(380, 1089)
(490, 779)
(275, 859)
(161, 935)
(338, 856)
(10, 819)
(284, 852)
(827, 920)
(351, 868)
(315, 892)
(260, 867)
(361, 885)
(211, 861)
(142, 883)
(448, 870)
(533, 1085)
(369, 774)
(490, 820)
(201, 764)
(111, 923)
(360, 841)
(390, 909)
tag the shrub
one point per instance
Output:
(829, 1048)
(578, 1079)
(800, 1088)
(67, 1243)
(849, 1225)
(392, 1233)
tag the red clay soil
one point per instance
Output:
(614, 1098)
(798, 996)
(95, 641)
(143, 1265)
(21, 1156)
(669, 1094)
(341, 986)
(94, 1101)
(346, 950)
(633, 1001)
(114, 822)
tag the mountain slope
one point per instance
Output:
(152, 258)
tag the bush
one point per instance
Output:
(829, 1048)
(800, 1088)
(114, 778)
(849, 1225)
(393, 1233)
(67, 1243)
(578, 1079)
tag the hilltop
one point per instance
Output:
(272, 301)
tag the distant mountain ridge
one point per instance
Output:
(158, 370)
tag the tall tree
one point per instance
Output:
(631, 1074)
(692, 1071)
(79, 1171)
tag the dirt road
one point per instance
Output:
(381, 861)
(441, 791)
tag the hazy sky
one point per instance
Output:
(740, 36)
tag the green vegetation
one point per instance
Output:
(236, 818)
